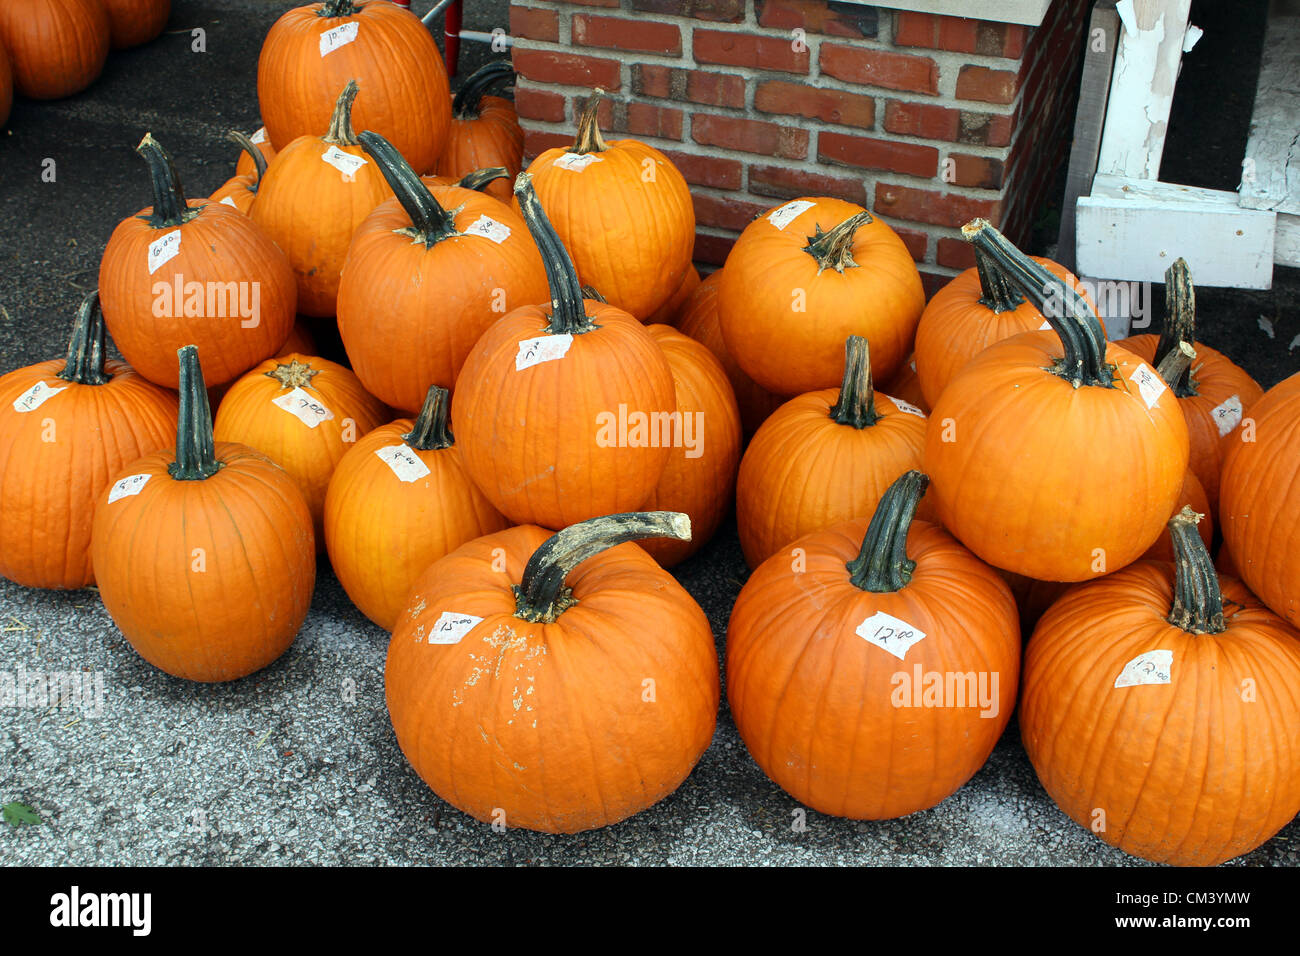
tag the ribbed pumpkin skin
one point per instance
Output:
(56, 47)
(804, 472)
(405, 95)
(812, 699)
(48, 488)
(699, 320)
(670, 311)
(382, 533)
(1218, 378)
(529, 438)
(309, 454)
(955, 327)
(768, 274)
(630, 239)
(244, 165)
(6, 84)
(1259, 508)
(244, 608)
(1009, 485)
(134, 22)
(1187, 773)
(548, 722)
(1193, 496)
(700, 486)
(409, 315)
(493, 138)
(906, 384)
(220, 245)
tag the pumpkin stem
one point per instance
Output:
(196, 454)
(431, 429)
(1068, 313)
(337, 8)
(834, 249)
(589, 139)
(294, 375)
(541, 594)
(1198, 602)
(1176, 363)
(480, 178)
(856, 404)
(430, 223)
(85, 363)
(882, 565)
(996, 293)
(568, 314)
(465, 105)
(1180, 323)
(340, 132)
(592, 293)
(255, 154)
(170, 208)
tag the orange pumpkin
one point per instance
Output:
(203, 553)
(56, 47)
(622, 210)
(670, 311)
(823, 458)
(1191, 496)
(245, 165)
(313, 50)
(840, 666)
(66, 427)
(485, 130)
(422, 283)
(133, 22)
(1014, 439)
(803, 278)
(193, 272)
(550, 684)
(304, 413)
(1160, 709)
(536, 387)
(239, 190)
(907, 385)
(398, 501)
(315, 194)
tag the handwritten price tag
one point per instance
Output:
(786, 214)
(161, 250)
(404, 462)
(908, 407)
(345, 163)
(303, 407)
(259, 136)
(1227, 414)
(489, 228)
(889, 633)
(544, 348)
(36, 396)
(1153, 667)
(1149, 383)
(128, 486)
(450, 627)
(331, 40)
(576, 162)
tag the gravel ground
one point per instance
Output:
(298, 763)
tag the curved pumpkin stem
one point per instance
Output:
(85, 362)
(170, 208)
(568, 314)
(196, 454)
(337, 8)
(856, 404)
(834, 249)
(465, 104)
(481, 178)
(589, 139)
(430, 223)
(255, 154)
(541, 594)
(1068, 313)
(340, 132)
(996, 293)
(1180, 323)
(882, 565)
(1198, 601)
(1176, 363)
(432, 430)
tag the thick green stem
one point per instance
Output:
(196, 456)
(432, 431)
(255, 154)
(465, 105)
(169, 206)
(541, 594)
(1180, 323)
(337, 8)
(834, 249)
(856, 404)
(340, 132)
(481, 178)
(85, 363)
(882, 565)
(1068, 313)
(1198, 602)
(430, 223)
(568, 314)
(589, 139)
(996, 293)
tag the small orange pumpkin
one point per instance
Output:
(134, 22)
(485, 130)
(240, 190)
(56, 47)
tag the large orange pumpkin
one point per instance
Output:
(66, 427)
(1160, 709)
(485, 130)
(551, 684)
(535, 390)
(1019, 439)
(823, 458)
(193, 272)
(803, 278)
(203, 553)
(425, 275)
(241, 189)
(872, 676)
(313, 50)
(133, 22)
(398, 501)
(622, 210)
(56, 47)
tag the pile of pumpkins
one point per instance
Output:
(544, 407)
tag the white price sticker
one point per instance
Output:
(544, 348)
(908, 407)
(450, 628)
(1045, 327)
(229, 201)
(128, 486)
(1227, 414)
(404, 462)
(1153, 667)
(161, 250)
(345, 163)
(303, 407)
(342, 35)
(36, 396)
(889, 633)
(786, 214)
(1149, 383)
(259, 136)
(489, 228)
(576, 162)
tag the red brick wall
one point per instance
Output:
(927, 120)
